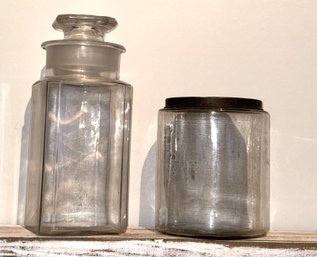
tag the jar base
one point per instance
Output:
(74, 231)
(220, 234)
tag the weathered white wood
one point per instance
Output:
(17, 241)
(140, 248)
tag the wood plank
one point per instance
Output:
(19, 232)
(17, 241)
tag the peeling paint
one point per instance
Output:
(59, 248)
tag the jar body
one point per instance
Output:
(78, 157)
(213, 173)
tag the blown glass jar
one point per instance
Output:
(213, 167)
(80, 133)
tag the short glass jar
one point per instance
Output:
(213, 167)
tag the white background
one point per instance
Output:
(265, 49)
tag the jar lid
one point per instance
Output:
(84, 30)
(213, 102)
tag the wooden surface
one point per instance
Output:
(17, 241)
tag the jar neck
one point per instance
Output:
(80, 59)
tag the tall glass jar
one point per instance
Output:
(80, 133)
(213, 167)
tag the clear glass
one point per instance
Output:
(213, 173)
(80, 138)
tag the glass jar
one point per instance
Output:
(213, 167)
(79, 134)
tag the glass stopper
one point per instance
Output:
(84, 27)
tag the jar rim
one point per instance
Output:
(213, 102)
(83, 43)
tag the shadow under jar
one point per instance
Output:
(80, 134)
(213, 167)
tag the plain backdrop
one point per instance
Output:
(265, 49)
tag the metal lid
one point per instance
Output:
(213, 102)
